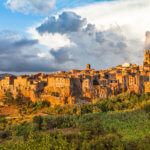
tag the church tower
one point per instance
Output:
(88, 67)
(147, 58)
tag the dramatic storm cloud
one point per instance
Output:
(26, 6)
(104, 34)
(22, 55)
(66, 22)
(90, 45)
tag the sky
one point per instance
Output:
(52, 35)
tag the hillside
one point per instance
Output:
(121, 123)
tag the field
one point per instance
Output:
(108, 125)
(132, 125)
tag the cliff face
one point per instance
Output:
(80, 86)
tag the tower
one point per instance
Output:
(147, 58)
(88, 67)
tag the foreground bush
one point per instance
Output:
(124, 101)
(51, 122)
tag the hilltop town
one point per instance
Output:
(80, 86)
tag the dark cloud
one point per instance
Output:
(121, 45)
(100, 37)
(26, 64)
(22, 56)
(67, 22)
(62, 55)
(25, 42)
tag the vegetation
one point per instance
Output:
(120, 102)
(119, 123)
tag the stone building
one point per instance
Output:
(147, 58)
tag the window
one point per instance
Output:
(95, 82)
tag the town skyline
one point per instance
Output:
(79, 86)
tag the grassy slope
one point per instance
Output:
(132, 125)
(88, 126)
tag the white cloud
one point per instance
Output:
(41, 55)
(126, 18)
(131, 15)
(36, 6)
(51, 41)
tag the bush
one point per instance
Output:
(41, 104)
(91, 128)
(111, 142)
(38, 120)
(21, 131)
(5, 134)
(146, 107)
(51, 122)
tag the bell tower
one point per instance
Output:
(88, 67)
(147, 58)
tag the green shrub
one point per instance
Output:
(5, 134)
(21, 131)
(51, 122)
(147, 108)
(38, 120)
(111, 142)
(92, 128)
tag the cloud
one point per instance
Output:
(94, 47)
(130, 16)
(119, 34)
(147, 42)
(27, 6)
(113, 33)
(22, 55)
(51, 41)
(62, 55)
(25, 42)
(65, 23)
(102, 48)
